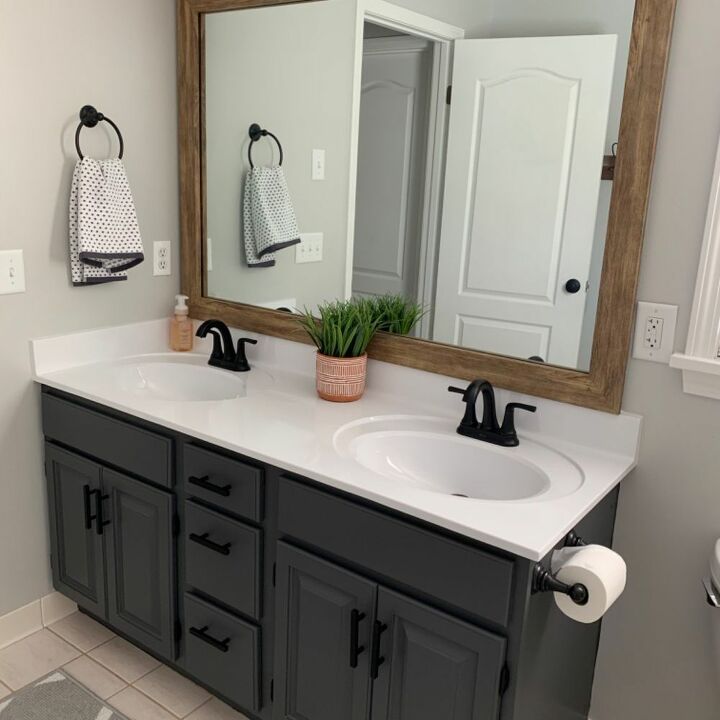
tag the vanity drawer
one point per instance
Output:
(108, 439)
(453, 572)
(223, 652)
(233, 485)
(222, 559)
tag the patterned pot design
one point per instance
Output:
(341, 379)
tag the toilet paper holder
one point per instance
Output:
(545, 581)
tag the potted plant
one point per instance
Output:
(397, 314)
(342, 334)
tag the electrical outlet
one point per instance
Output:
(655, 332)
(12, 272)
(310, 249)
(162, 258)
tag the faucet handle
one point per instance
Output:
(241, 361)
(457, 390)
(470, 419)
(508, 426)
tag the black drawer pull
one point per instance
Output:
(205, 541)
(205, 484)
(87, 499)
(202, 634)
(100, 522)
(355, 648)
(377, 660)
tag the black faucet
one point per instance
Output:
(489, 430)
(224, 355)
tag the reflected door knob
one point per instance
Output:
(573, 286)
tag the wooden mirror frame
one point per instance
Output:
(601, 388)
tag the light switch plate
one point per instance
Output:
(12, 272)
(655, 332)
(310, 249)
(318, 164)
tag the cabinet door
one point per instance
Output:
(433, 665)
(323, 614)
(140, 551)
(77, 550)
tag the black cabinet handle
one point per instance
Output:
(202, 634)
(356, 617)
(205, 484)
(377, 660)
(87, 499)
(573, 286)
(100, 522)
(205, 541)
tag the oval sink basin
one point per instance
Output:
(428, 455)
(172, 379)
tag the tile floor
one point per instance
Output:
(137, 685)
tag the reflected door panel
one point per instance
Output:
(527, 133)
(391, 166)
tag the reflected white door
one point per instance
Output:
(391, 165)
(527, 134)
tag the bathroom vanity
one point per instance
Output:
(291, 588)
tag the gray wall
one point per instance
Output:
(655, 652)
(54, 58)
(270, 65)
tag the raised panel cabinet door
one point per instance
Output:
(322, 660)
(140, 551)
(431, 665)
(77, 549)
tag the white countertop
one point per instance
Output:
(286, 425)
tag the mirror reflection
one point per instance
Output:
(469, 176)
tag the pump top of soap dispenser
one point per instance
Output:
(181, 307)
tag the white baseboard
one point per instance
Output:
(27, 620)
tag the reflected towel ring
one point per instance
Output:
(90, 117)
(256, 132)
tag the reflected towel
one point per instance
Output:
(269, 217)
(105, 237)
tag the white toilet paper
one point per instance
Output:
(602, 571)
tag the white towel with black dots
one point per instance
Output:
(105, 238)
(269, 217)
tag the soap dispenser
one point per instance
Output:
(181, 326)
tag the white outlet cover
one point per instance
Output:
(318, 164)
(668, 314)
(12, 272)
(162, 258)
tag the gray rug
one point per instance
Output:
(55, 697)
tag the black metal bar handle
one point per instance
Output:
(87, 500)
(377, 659)
(100, 521)
(356, 617)
(202, 634)
(205, 541)
(205, 484)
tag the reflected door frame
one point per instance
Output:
(442, 36)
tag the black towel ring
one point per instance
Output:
(90, 117)
(256, 132)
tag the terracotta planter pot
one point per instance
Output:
(341, 379)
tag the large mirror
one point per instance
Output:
(469, 170)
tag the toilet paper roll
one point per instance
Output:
(602, 571)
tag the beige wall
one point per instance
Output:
(655, 653)
(56, 56)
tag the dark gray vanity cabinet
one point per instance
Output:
(342, 640)
(140, 561)
(78, 562)
(293, 601)
(325, 616)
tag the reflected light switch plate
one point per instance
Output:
(318, 164)
(12, 272)
(310, 249)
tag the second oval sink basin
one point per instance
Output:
(426, 454)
